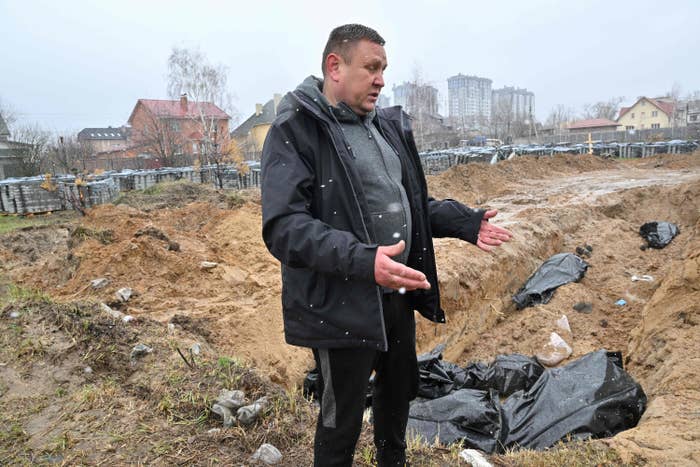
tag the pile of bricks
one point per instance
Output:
(25, 195)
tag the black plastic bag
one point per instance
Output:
(506, 374)
(558, 270)
(467, 414)
(437, 377)
(312, 385)
(592, 397)
(509, 373)
(658, 234)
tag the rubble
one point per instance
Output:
(225, 413)
(140, 350)
(555, 351)
(111, 311)
(99, 283)
(268, 454)
(249, 413)
(124, 294)
(231, 399)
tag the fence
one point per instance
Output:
(26, 195)
(632, 136)
(438, 161)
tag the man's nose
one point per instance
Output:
(379, 80)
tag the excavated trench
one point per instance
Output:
(551, 204)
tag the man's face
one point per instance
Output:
(361, 80)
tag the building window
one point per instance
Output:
(629, 127)
(174, 125)
(643, 114)
(654, 113)
(641, 126)
(632, 116)
(656, 125)
(693, 118)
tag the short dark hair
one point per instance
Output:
(344, 37)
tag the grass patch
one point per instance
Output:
(234, 199)
(11, 222)
(81, 233)
(169, 195)
(153, 410)
(571, 454)
(15, 293)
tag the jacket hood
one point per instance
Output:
(311, 90)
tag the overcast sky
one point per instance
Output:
(70, 65)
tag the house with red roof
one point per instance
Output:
(175, 132)
(647, 113)
(593, 124)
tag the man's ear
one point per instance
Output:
(332, 64)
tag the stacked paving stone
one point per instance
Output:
(24, 195)
(439, 161)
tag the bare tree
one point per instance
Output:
(8, 113)
(160, 137)
(603, 109)
(560, 116)
(224, 153)
(68, 155)
(33, 154)
(674, 97)
(189, 72)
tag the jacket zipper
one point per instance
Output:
(359, 208)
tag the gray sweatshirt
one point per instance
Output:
(379, 167)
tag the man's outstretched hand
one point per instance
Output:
(394, 275)
(491, 235)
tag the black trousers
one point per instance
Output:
(344, 375)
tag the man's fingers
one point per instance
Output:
(495, 231)
(392, 274)
(393, 250)
(490, 240)
(505, 236)
(483, 246)
(404, 272)
(501, 231)
(409, 284)
(490, 213)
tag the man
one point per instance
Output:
(346, 211)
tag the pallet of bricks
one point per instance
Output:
(30, 195)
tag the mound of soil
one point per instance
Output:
(239, 298)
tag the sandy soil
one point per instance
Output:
(552, 204)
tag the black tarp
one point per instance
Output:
(558, 270)
(506, 374)
(468, 415)
(658, 234)
(592, 397)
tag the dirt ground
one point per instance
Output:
(552, 205)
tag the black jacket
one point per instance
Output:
(316, 222)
